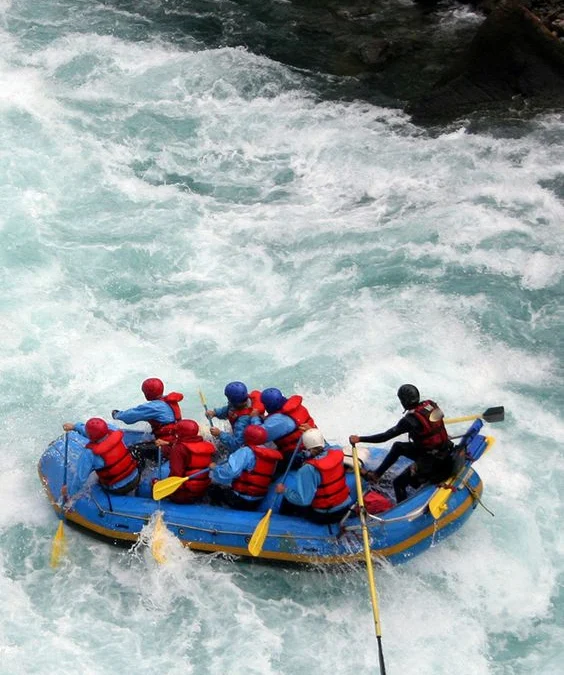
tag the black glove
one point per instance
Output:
(114, 413)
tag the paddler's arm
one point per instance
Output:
(307, 481)
(278, 425)
(152, 410)
(241, 460)
(404, 426)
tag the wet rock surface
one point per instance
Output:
(438, 59)
(514, 61)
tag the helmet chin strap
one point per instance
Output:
(314, 451)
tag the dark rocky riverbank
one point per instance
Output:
(514, 62)
(508, 55)
(438, 59)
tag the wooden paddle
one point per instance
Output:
(368, 558)
(495, 414)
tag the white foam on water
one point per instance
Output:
(200, 216)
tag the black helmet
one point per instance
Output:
(408, 395)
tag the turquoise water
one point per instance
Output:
(205, 214)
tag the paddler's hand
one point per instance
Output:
(115, 413)
(305, 427)
(160, 442)
(210, 414)
(280, 488)
(214, 431)
(68, 426)
(354, 439)
(212, 466)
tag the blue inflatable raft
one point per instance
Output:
(427, 516)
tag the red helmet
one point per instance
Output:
(187, 429)
(254, 434)
(96, 428)
(153, 388)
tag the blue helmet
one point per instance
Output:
(236, 392)
(272, 399)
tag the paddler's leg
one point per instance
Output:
(398, 449)
(407, 477)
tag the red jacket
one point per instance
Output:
(294, 409)
(166, 431)
(186, 458)
(118, 461)
(433, 435)
(256, 404)
(333, 489)
(255, 483)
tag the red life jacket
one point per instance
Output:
(118, 461)
(333, 489)
(166, 431)
(433, 435)
(294, 409)
(256, 404)
(198, 455)
(255, 483)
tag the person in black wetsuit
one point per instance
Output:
(429, 445)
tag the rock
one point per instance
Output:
(512, 58)
(375, 51)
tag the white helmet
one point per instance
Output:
(313, 438)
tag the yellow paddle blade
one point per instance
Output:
(490, 440)
(165, 487)
(259, 535)
(439, 502)
(158, 541)
(59, 548)
(202, 398)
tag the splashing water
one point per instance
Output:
(204, 215)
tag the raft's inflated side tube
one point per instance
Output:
(363, 455)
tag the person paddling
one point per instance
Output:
(243, 408)
(243, 481)
(429, 445)
(321, 493)
(189, 454)
(287, 419)
(161, 411)
(107, 455)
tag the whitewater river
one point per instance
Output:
(203, 214)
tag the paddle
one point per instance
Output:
(368, 558)
(158, 540)
(438, 503)
(59, 547)
(165, 487)
(495, 414)
(261, 530)
(203, 400)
